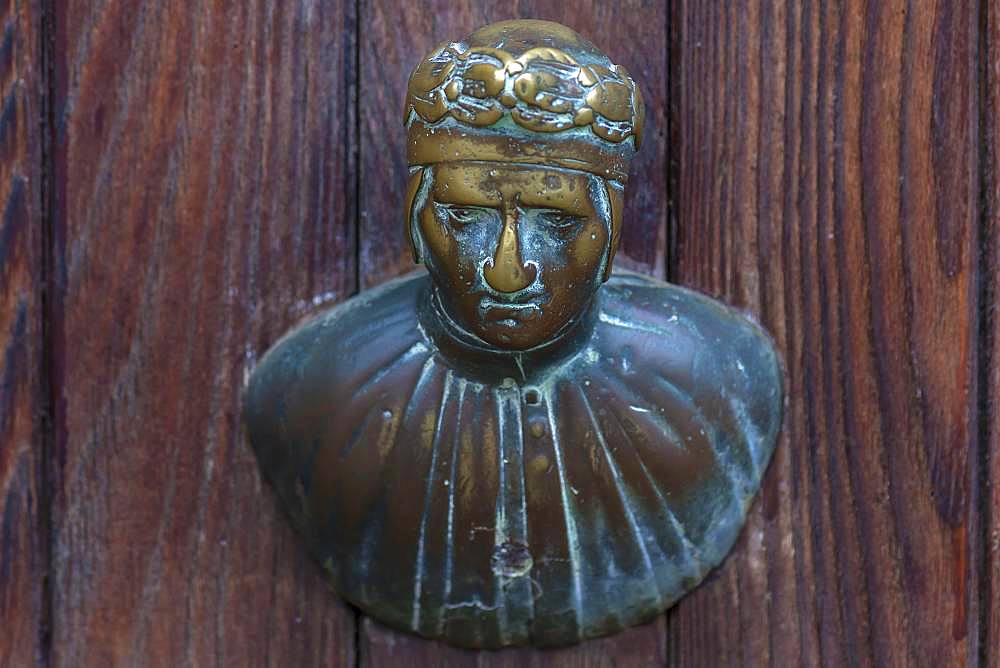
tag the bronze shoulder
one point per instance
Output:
(318, 370)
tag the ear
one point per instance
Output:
(615, 199)
(412, 188)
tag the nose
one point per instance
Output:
(507, 272)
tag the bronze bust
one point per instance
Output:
(518, 445)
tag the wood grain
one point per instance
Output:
(23, 536)
(204, 175)
(213, 184)
(394, 39)
(828, 183)
(638, 646)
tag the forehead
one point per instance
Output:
(496, 183)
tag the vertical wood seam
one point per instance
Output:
(672, 167)
(672, 179)
(353, 177)
(985, 393)
(46, 287)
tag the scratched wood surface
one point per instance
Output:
(23, 545)
(209, 174)
(828, 182)
(204, 176)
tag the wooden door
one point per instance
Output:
(184, 180)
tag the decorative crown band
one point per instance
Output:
(449, 142)
(543, 90)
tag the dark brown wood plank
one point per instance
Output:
(394, 37)
(828, 183)
(23, 535)
(639, 646)
(203, 172)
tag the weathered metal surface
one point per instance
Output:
(497, 452)
(495, 498)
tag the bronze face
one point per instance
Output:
(516, 251)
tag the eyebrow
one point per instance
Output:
(477, 197)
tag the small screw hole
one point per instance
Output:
(531, 397)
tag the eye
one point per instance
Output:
(460, 216)
(558, 220)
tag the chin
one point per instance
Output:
(513, 336)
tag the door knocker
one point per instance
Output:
(518, 445)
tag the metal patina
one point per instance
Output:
(518, 445)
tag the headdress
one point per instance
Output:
(531, 92)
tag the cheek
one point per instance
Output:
(440, 244)
(447, 260)
(588, 249)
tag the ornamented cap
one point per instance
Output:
(524, 91)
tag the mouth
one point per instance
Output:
(511, 314)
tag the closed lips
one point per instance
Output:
(496, 310)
